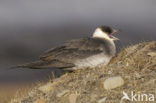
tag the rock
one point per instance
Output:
(152, 54)
(102, 100)
(62, 93)
(72, 98)
(113, 82)
(46, 88)
(137, 75)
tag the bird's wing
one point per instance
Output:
(75, 49)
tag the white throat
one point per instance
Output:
(100, 34)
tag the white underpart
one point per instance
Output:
(92, 61)
(100, 34)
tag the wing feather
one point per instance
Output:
(76, 49)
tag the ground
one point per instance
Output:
(132, 70)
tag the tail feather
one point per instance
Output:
(35, 65)
(45, 64)
(42, 65)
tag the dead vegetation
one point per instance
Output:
(136, 65)
(8, 91)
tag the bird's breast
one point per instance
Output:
(93, 61)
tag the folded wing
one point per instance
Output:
(76, 49)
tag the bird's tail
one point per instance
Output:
(44, 64)
(34, 65)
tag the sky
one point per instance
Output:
(29, 27)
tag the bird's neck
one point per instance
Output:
(98, 33)
(110, 45)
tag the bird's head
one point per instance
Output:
(105, 32)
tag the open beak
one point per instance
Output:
(111, 35)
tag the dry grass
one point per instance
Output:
(135, 64)
(10, 91)
(6, 93)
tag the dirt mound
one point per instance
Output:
(132, 71)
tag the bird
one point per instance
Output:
(79, 53)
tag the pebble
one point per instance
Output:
(62, 93)
(113, 82)
(72, 98)
(102, 100)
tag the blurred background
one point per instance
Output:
(29, 27)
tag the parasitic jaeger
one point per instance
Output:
(79, 53)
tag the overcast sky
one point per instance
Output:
(58, 12)
(28, 27)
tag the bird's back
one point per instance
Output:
(77, 53)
